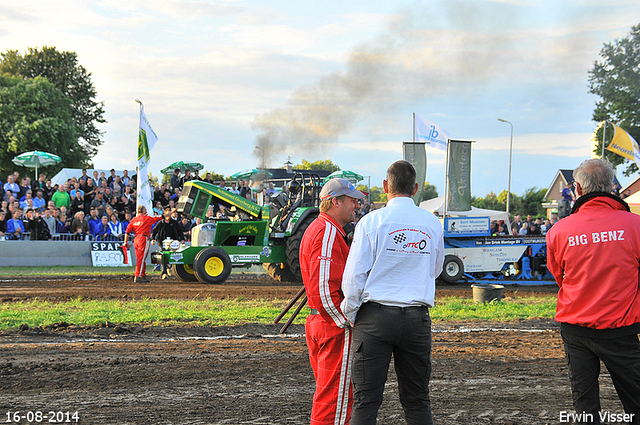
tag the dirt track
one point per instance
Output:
(483, 373)
(247, 285)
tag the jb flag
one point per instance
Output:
(624, 145)
(426, 131)
(146, 140)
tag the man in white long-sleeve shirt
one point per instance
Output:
(389, 285)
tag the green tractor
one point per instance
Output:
(268, 235)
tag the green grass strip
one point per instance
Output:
(210, 312)
(458, 309)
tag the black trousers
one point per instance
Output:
(380, 332)
(621, 356)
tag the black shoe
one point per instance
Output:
(141, 280)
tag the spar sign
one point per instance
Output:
(108, 254)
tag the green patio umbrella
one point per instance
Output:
(249, 173)
(35, 159)
(344, 174)
(182, 166)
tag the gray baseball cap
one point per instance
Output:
(338, 187)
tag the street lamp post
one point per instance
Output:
(510, 154)
(262, 154)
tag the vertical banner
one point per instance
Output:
(459, 177)
(146, 140)
(416, 154)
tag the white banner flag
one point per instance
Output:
(426, 131)
(146, 140)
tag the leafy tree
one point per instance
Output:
(326, 164)
(377, 193)
(154, 179)
(429, 192)
(616, 80)
(529, 203)
(166, 179)
(214, 176)
(63, 71)
(490, 202)
(532, 202)
(36, 115)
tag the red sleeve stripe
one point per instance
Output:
(325, 273)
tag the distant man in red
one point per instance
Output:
(323, 254)
(140, 226)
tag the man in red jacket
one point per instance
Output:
(140, 226)
(323, 254)
(594, 255)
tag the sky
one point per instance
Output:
(337, 80)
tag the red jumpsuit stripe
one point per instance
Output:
(325, 272)
(329, 349)
(343, 406)
(142, 245)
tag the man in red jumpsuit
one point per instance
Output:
(140, 226)
(323, 254)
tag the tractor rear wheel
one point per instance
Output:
(278, 273)
(293, 248)
(212, 265)
(184, 272)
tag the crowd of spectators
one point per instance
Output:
(529, 227)
(85, 207)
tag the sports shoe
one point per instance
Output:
(164, 276)
(141, 280)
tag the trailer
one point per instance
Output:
(472, 253)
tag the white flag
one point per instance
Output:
(146, 140)
(426, 131)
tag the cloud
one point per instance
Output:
(177, 9)
(8, 13)
(346, 78)
(410, 60)
(569, 145)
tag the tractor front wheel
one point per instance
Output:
(212, 265)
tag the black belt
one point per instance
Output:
(314, 311)
(409, 307)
